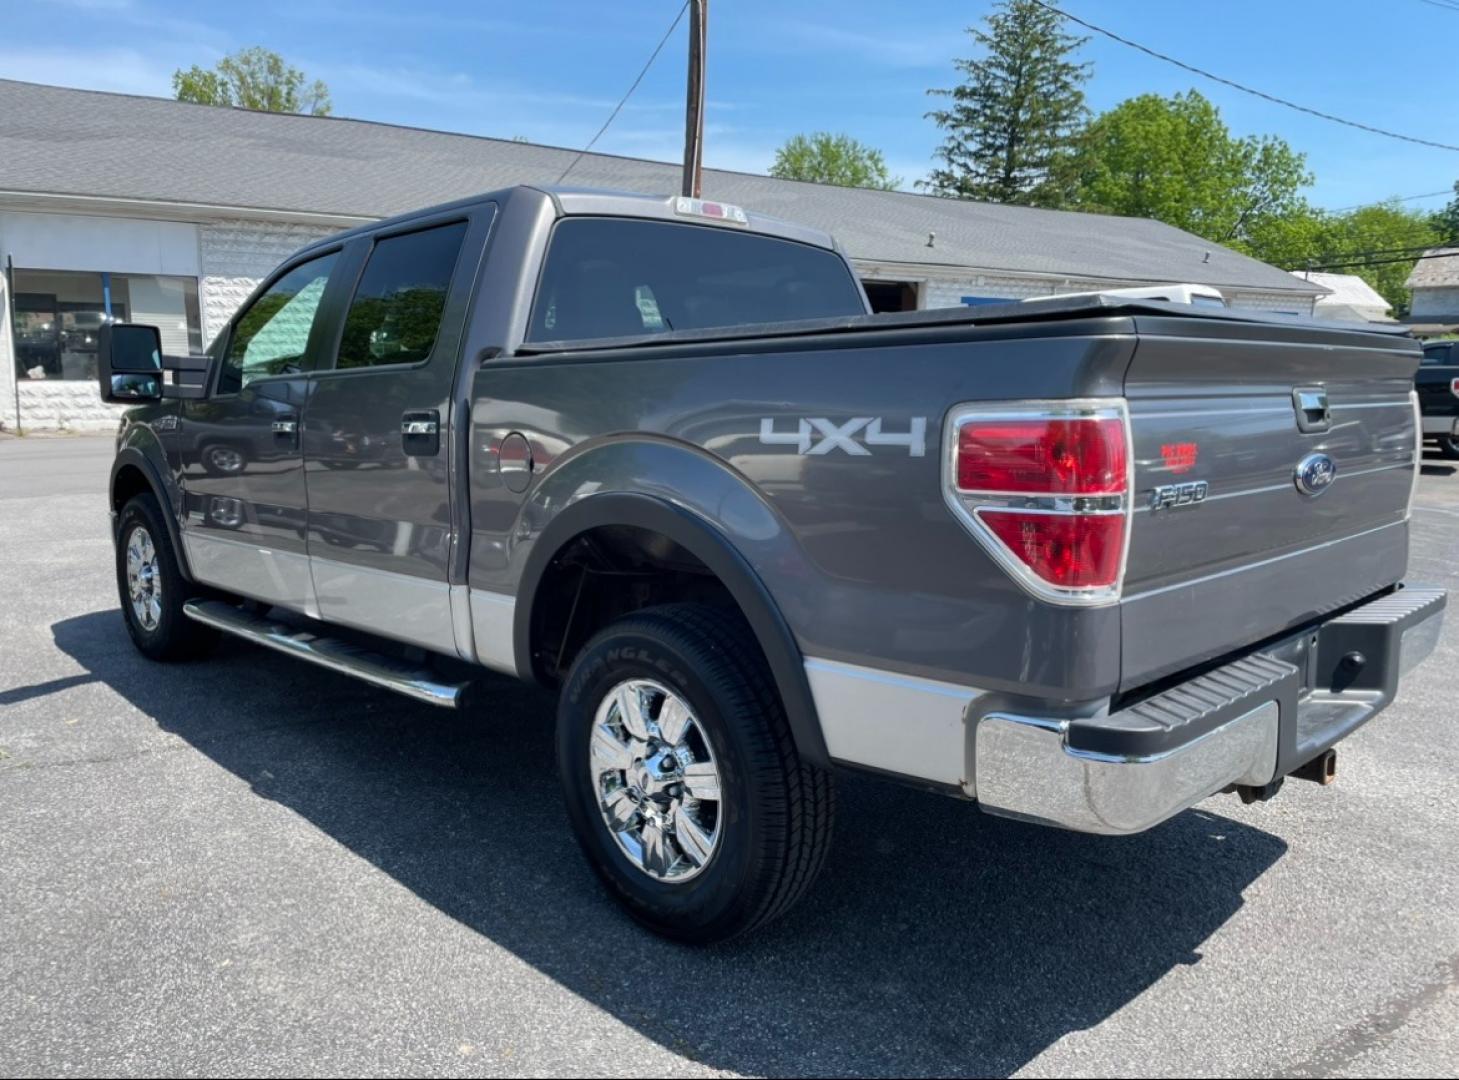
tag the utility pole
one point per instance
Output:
(694, 109)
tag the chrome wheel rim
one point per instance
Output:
(144, 579)
(656, 780)
(226, 459)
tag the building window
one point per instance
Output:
(891, 295)
(58, 314)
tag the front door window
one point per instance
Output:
(272, 336)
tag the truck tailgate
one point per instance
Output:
(1214, 404)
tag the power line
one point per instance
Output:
(1441, 4)
(1244, 89)
(1420, 248)
(624, 100)
(1376, 262)
(1397, 198)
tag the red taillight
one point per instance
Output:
(1083, 456)
(1047, 494)
(1454, 387)
(1069, 551)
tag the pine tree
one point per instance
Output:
(1013, 120)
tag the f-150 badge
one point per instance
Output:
(817, 435)
(1167, 496)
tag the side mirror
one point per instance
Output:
(129, 362)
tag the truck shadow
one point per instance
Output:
(938, 941)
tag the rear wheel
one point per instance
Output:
(152, 588)
(1449, 447)
(681, 777)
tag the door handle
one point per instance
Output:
(420, 432)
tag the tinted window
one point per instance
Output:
(396, 312)
(616, 277)
(272, 336)
(1436, 354)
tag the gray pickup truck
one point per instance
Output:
(1086, 561)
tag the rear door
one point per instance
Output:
(376, 456)
(1273, 470)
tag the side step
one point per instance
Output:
(414, 681)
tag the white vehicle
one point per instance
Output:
(1195, 295)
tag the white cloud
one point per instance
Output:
(924, 48)
(126, 71)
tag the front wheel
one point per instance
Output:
(1449, 447)
(681, 777)
(152, 588)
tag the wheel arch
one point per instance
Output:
(134, 473)
(711, 547)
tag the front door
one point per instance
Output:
(375, 435)
(243, 476)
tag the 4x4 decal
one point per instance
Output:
(817, 435)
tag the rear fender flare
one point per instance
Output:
(743, 517)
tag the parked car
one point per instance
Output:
(1437, 383)
(1086, 561)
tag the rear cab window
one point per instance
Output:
(626, 277)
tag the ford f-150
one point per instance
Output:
(1086, 561)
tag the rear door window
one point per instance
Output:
(396, 311)
(621, 277)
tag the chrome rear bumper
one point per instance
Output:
(1247, 723)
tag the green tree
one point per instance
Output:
(255, 78)
(1174, 159)
(1014, 116)
(824, 158)
(1372, 242)
(1446, 221)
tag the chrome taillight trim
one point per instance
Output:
(966, 504)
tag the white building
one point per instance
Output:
(151, 210)
(1348, 298)
(1435, 286)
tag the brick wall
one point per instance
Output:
(234, 256)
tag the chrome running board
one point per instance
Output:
(412, 680)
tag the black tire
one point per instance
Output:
(1449, 447)
(173, 636)
(775, 815)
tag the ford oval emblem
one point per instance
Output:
(1315, 474)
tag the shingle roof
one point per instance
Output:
(88, 143)
(1346, 289)
(1431, 272)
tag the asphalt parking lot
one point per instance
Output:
(248, 865)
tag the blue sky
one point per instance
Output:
(551, 70)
